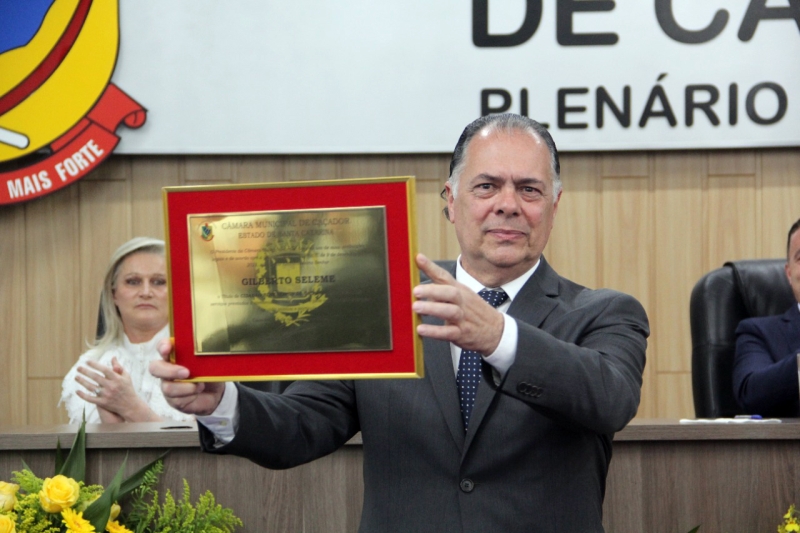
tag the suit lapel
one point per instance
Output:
(439, 370)
(791, 320)
(532, 305)
(538, 296)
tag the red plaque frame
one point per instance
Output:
(395, 194)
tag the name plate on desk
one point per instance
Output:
(305, 280)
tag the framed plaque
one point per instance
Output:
(290, 281)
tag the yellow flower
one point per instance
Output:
(6, 524)
(8, 496)
(115, 509)
(75, 522)
(116, 527)
(792, 526)
(58, 493)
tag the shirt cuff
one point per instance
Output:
(506, 352)
(224, 421)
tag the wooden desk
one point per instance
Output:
(664, 477)
(669, 477)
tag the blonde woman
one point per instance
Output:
(110, 383)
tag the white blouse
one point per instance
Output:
(135, 359)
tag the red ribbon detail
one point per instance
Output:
(77, 152)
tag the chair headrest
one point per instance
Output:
(763, 286)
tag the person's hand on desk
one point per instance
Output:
(112, 391)
(190, 398)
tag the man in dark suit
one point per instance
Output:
(765, 379)
(511, 428)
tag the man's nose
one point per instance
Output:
(508, 201)
(147, 289)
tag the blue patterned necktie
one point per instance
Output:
(469, 366)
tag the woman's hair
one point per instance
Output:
(111, 317)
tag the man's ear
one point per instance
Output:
(450, 210)
(555, 204)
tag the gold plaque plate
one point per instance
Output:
(290, 281)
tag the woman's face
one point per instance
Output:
(141, 295)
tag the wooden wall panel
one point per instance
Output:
(45, 409)
(372, 166)
(208, 170)
(431, 225)
(148, 176)
(53, 274)
(13, 316)
(674, 398)
(732, 163)
(433, 167)
(434, 232)
(623, 164)
(259, 169)
(311, 168)
(627, 255)
(733, 215)
(648, 223)
(678, 260)
(112, 169)
(574, 248)
(105, 223)
(780, 199)
(626, 236)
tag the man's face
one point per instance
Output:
(793, 264)
(504, 208)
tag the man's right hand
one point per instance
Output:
(190, 398)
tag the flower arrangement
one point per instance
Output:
(790, 524)
(65, 503)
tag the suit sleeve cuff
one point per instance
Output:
(224, 421)
(506, 352)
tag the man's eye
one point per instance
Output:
(531, 192)
(132, 281)
(159, 281)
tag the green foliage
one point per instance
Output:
(31, 518)
(95, 502)
(142, 513)
(74, 465)
(27, 481)
(206, 516)
(99, 511)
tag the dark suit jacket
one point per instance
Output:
(765, 368)
(537, 452)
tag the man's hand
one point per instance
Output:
(469, 322)
(190, 398)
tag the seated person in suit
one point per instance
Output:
(765, 378)
(527, 374)
(111, 382)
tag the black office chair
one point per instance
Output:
(720, 300)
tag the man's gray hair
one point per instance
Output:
(506, 123)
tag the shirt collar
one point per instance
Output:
(149, 345)
(511, 288)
